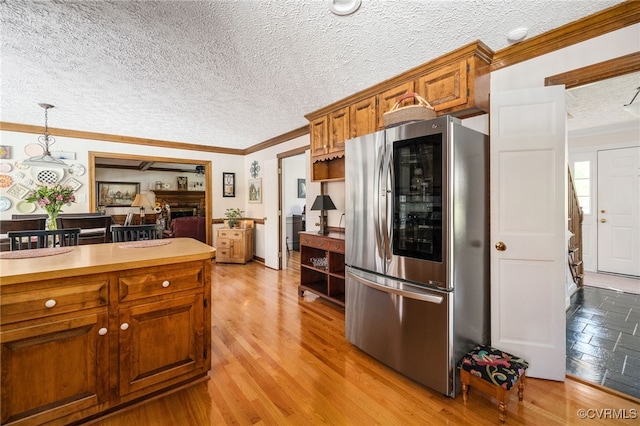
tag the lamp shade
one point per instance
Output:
(323, 202)
(141, 200)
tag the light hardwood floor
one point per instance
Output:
(279, 359)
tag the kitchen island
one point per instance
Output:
(88, 330)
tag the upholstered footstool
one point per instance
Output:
(494, 372)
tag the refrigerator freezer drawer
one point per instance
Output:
(408, 332)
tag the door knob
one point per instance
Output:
(500, 246)
(603, 220)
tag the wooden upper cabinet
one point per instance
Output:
(446, 88)
(339, 130)
(319, 135)
(455, 84)
(363, 117)
(388, 98)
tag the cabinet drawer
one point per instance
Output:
(223, 243)
(53, 297)
(230, 233)
(323, 243)
(223, 254)
(154, 282)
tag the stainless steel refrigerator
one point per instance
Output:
(417, 259)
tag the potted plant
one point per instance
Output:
(233, 216)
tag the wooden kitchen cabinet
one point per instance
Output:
(53, 338)
(388, 98)
(456, 84)
(362, 120)
(458, 89)
(81, 343)
(319, 136)
(234, 245)
(157, 305)
(322, 269)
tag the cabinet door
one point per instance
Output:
(159, 342)
(387, 99)
(445, 89)
(51, 369)
(339, 126)
(363, 117)
(319, 136)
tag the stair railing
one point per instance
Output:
(576, 217)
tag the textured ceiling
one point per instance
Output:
(231, 73)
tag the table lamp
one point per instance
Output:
(323, 203)
(142, 202)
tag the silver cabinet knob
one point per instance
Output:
(102, 331)
(50, 303)
(124, 326)
(166, 284)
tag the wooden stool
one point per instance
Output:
(493, 372)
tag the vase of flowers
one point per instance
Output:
(52, 197)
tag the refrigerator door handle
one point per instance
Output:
(376, 200)
(387, 176)
(404, 293)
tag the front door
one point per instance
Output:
(528, 227)
(618, 212)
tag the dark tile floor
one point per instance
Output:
(603, 338)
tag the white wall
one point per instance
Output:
(81, 147)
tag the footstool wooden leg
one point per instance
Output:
(465, 392)
(503, 411)
(521, 389)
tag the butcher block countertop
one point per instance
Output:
(98, 258)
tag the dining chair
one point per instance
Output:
(93, 229)
(26, 240)
(135, 233)
(18, 225)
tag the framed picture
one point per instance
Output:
(255, 190)
(117, 194)
(183, 183)
(228, 184)
(5, 152)
(63, 155)
(302, 188)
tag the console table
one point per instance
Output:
(322, 265)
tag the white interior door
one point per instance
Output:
(618, 211)
(529, 218)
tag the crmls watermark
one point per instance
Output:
(608, 413)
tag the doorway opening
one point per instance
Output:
(124, 162)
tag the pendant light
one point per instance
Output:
(46, 140)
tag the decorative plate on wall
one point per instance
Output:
(18, 191)
(26, 207)
(48, 176)
(5, 167)
(5, 204)
(72, 183)
(33, 149)
(254, 169)
(77, 170)
(5, 181)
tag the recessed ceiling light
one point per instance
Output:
(517, 34)
(344, 7)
